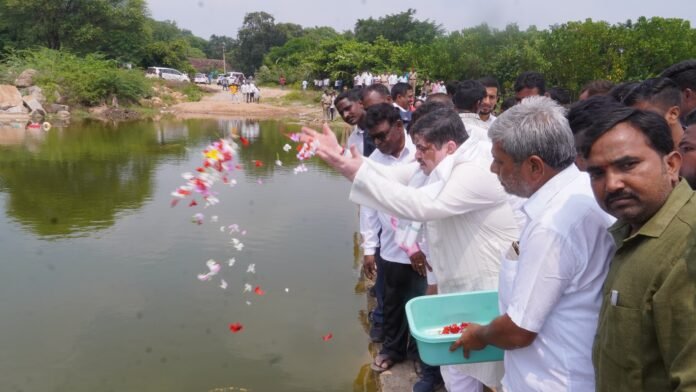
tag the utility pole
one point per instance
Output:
(224, 64)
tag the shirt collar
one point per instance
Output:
(658, 223)
(536, 204)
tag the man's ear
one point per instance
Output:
(673, 162)
(536, 165)
(451, 147)
(672, 115)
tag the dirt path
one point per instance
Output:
(224, 104)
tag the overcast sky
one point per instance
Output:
(224, 17)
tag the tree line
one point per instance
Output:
(568, 54)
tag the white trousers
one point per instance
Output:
(456, 381)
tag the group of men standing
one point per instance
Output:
(580, 219)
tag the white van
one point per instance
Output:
(167, 73)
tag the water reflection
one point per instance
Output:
(98, 275)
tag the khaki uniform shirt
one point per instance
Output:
(646, 338)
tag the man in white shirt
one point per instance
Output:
(468, 220)
(402, 95)
(489, 101)
(467, 99)
(551, 280)
(401, 282)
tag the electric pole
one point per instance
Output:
(224, 64)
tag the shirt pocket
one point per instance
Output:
(506, 280)
(619, 340)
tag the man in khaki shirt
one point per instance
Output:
(646, 337)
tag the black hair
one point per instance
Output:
(619, 91)
(508, 103)
(597, 87)
(661, 92)
(441, 97)
(429, 106)
(379, 113)
(683, 74)
(489, 81)
(584, 114)
(451, 87)
(400, 89)
(439, 127)
(469, 93)
(653, 126)
(353, 95)
(560, 95)
(531, 79)
(689, 120)
(380, 89)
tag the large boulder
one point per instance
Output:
(37, 93)
(26, 78)
(33, 104)
(9, 97)
(19, 109)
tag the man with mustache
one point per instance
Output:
(467, 215)
(550, 281)
(646, 336)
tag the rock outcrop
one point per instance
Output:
(26, 78)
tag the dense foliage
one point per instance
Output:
(569, 54)
(88, 80)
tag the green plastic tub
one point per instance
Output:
(427, 315)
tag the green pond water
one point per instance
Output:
(98, 273)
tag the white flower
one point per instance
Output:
(247, 288)
(287, 147)
(251, 268)
(231, 262)
(223, 284)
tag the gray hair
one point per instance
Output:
(536, 126)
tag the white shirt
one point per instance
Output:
(487, 123)
(392, 79)
(554, 286)
(355, 138)
(468, 223)
(474, 126)
(371, 220)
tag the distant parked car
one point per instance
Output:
(201, 78)
(167, 74)
(232, 78)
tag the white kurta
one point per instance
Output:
(468, 223)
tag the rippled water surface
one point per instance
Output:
(98, 287)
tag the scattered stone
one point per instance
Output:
(63, 114)
(20, 109)
(26, 78)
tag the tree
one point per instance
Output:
(398, 28)
(257, 35)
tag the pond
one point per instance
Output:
(98, 274)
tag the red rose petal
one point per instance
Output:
(193, 203)
(236, 327)
(258, 163)
(327, 337)
(244, 141)
(259, 291)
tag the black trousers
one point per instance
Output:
(401, 283)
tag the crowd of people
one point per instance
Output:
(581, 215)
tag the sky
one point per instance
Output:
(224, 17)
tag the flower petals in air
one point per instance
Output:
(258, 163)
(287, 147)
(193, 203)
(223, 284)
(251, 269)
(236, 327)
(247, 287)
(231, 262)
(278, 162)
(245, 141)
(259, 291)
(327, 337)
(198, 218)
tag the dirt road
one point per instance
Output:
(224, 104)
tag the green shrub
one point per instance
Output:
(89, 80)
